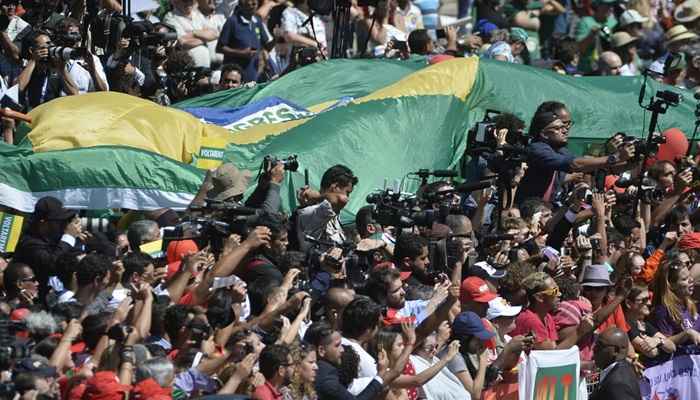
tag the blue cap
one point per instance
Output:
(468, 323)
(484, 27)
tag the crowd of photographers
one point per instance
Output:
(183, 48)
(432, 295)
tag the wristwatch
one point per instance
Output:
(613, 159)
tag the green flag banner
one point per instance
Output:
(382, 118)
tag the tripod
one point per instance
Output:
(657, 105)
(697, 124)
(342, 29)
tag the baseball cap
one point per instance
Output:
(475, 289)
(468, 323)
(51, 209)
(484, 27)
(499, 307)
(484, 270)
(631, 17)
(518, 34)
(105, 385)
(36, 365)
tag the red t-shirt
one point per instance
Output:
(529, 321)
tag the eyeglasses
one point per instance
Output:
(557, 127)
(568, 124)
(550, 292)
(29, 279)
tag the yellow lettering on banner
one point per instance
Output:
(10, 231)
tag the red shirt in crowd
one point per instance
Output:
(527, 321)
(267, 392)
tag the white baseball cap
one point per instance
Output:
(499, 307)
(630, 17)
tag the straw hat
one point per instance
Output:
(687, 11)
(678, 33)
(620, 39)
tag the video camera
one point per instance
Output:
(401, 210)
(218, 221)
(483, 134)
(110, 28)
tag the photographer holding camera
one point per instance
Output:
(44, 78)
(549, 160)
(319, 216)
(84, 67)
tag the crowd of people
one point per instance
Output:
(437, 295)
(184, 48)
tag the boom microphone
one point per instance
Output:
(472, 186)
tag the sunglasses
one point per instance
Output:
(550, 292)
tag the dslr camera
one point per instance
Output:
(290, 163)
(641, 147)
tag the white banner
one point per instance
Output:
(551, 375)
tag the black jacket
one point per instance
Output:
(620, 384)
(328, 386)
(41, 255)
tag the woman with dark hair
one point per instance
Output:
(645, 338)
(674, 313)
(21, 285)
(469, 365)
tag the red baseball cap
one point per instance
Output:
(475, 289)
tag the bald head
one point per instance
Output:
(611, 346)
(609, 63)
(615, 336)
(337, 299)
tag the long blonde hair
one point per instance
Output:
(666, 276)
(298, 388)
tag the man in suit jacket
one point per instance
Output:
(329, 350)
(617, 379)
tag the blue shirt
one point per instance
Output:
(543, 164)
(429, 9)
(240, 32)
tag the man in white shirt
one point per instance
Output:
(193, 33)
(360, 323)
(215, 22)
(86, 72)
(303, 36)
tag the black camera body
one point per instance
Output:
(290, 163)
(483, 134)
(641, 147)
(401, 210)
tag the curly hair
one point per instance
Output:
(534, 283)
(297, 387)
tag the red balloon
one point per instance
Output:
(675, 147)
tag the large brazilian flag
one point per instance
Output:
(382, 118)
